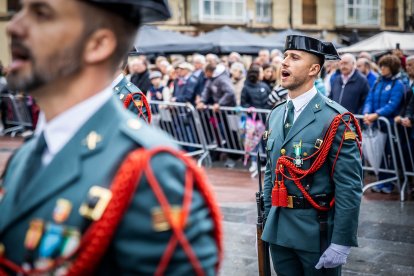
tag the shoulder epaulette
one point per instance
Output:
(335, 106)
(132, 87)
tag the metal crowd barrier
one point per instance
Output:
(182, 122)
(388, 166)
(224, 128)
(17, 114)
(406, 152)
(202, 131)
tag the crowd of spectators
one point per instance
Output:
(383, 87)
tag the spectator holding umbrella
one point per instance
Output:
(384, 99)
(255, 93)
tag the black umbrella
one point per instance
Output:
(226, 40)
(151, 40)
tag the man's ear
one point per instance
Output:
(100, 46)
(314, 70)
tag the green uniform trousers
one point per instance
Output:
(292, 262)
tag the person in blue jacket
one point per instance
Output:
(384, 99)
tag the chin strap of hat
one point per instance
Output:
(98, 237)
(279, 192)
(139, 104)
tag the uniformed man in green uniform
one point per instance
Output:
(131, 97)
(65, 54)
(303, 239)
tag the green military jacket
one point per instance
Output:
(137, 246)
(123, 88)
(299, 228)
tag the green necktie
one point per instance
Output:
(289, 118)
(33, 165)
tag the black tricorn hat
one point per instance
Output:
(136, 11)
(311, 45)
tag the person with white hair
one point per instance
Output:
(238, 76)
(199, 61)
(351, 88)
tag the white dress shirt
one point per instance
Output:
(63, 127)
(301, 102)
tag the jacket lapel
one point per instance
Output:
(306, 117)
(66, 166)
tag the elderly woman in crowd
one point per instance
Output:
(384, 99)
(237, 72)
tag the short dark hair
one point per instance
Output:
(392, 62)
(253, 73)
(210, 68)
(103, 17)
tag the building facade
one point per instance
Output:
(339, 20)
(329, 18)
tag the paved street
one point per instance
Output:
(386, 231)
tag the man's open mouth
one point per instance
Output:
(285, 73)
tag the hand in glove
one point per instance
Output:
(334, 256)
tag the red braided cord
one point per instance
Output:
(129, 98)
(147, 106)
(208, 195)
(183, 220)
(97, 238)
(321, 155)
(99, 235)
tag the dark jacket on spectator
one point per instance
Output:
(255, 94)
(352, 94)
(141, 81)
(184, 90)
(407, 108)
(385, 98)
(201, 82)
(219, 89)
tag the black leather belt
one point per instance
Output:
(299, 202)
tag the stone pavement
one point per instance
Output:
(386, 228)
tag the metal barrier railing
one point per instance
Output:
(182, 122)
(17, 114)
(405, 150)
(386, 170)
(224, 128)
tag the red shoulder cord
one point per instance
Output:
(279, 192)
(130, 97)
(97, 238)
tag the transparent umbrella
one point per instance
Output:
(373, 144)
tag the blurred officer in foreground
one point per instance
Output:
(313, 177)
(83, 196)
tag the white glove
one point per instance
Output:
(334, 256)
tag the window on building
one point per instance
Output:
(360, 12)
(13, 5)
(391, 13)
(221, 10)
(309, 11)
(264, 11)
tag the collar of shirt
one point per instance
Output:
(117, 80)
(345, 79)
(302, 101)
(62, 128)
